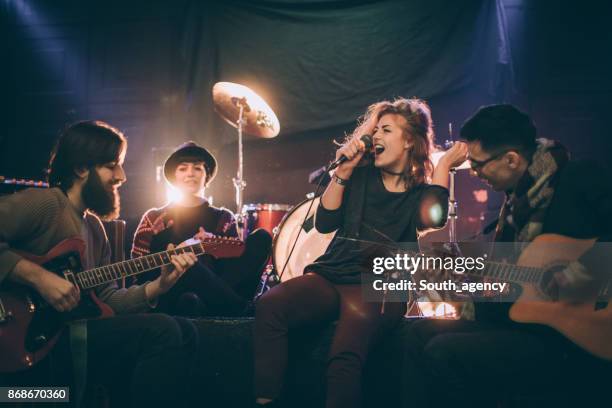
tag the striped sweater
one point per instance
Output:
(174, 224)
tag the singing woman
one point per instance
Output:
(393, 197)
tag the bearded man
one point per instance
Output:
(143, 358)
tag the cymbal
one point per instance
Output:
(259, 119)
(436, 156)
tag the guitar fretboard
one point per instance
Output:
(105, 274)
(510, 272)
(503, 272)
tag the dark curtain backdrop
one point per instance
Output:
(148, 67)
(319, 64)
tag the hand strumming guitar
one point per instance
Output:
(61, 294)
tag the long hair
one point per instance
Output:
(83, 145)
(419, 132)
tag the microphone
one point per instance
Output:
(367, 141)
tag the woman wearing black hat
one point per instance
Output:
(222, 287)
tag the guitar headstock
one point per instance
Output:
(223, 247)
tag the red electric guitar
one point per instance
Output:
(30, 327)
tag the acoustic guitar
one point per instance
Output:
(579, 321)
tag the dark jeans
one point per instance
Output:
(142, 360)
(147, 359)
(223, 287)
(467, 363)
(312, 299)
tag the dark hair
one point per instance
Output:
(417, 114)
(83, 145)
(194, 160)
(499, 127)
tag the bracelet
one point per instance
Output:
(340, 181)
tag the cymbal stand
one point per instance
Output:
(239, 182)
(452, 208)
(452, 200)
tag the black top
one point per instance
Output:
(386, 217)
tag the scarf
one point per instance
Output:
(522, 215)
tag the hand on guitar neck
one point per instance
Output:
(169, 276)
(64, 296)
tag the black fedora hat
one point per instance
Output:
(190, 152)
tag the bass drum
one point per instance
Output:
(310, 244)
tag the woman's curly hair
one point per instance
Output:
(419, 131)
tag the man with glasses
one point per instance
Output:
(481, 361)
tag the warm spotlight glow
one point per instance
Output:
(241, 91)
(260, 118)
(173, 194)
(440, 310)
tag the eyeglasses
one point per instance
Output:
(479, 164)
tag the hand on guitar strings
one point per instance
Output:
(60, 293)
(571, 282)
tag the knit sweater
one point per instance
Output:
(36, 220)
(174, 224)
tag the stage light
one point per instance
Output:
(439, 310)
(173, 194)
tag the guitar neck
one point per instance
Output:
(507, 272)
(105, 274)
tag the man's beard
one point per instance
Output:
(99, 200)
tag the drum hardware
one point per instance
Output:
(297, 233)
(452, 207)
(301, 228)
(321, 241)
(452, 201)
(249, 114)
(324, 239)
(266, 216)
(268, 280)
(438, 308)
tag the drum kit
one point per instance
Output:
(291, 226)
(242, 108)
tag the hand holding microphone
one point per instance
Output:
(349, 155)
